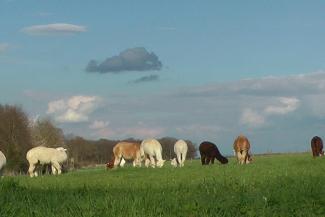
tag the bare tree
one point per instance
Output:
(46, 134)
(15, 139)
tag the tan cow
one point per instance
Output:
(241, 149)
(127, 151)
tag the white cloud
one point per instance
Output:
(4, 47)
(98, 124)
(74, 109)
(127, 132)
(287, 105)
(54, 29)
(252, 118)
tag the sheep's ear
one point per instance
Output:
(65, 149)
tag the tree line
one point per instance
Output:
(18, 134)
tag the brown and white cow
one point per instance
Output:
(317, 146)
(241, 149)
(127, 151)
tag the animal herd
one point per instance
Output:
(149, 151)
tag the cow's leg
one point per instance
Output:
(212, 160)
(57, 166)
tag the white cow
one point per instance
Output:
(3, 161)
(151, 148)
(44, 155)
(180, 149)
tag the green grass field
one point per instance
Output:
(277, 185)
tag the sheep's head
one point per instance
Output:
(160, 163)
(249, 158)
(61, 149)
(174, 162)
(110, 164)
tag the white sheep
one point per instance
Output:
(3, 161)
(44, 155)
(180, 149)
(149, 149)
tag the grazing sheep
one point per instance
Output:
(241, 148)
(3, 161)
(180, 149)
(44, 155)
(317, 146)
(128, 151)
(209, 152)
(151, 148)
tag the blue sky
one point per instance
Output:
(227, 67)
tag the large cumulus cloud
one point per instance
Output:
(132, 59)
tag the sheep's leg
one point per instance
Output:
(57, 166)
(147, 162)
(179, 159)
(31, 169)
(117, 160)
(245, 156)
(202, 158)
(54, 171)
(152, 162)
(239, 157)
(183, 158)
(207, 160)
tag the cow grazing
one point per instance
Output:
(241, 149)
(151, 149)
(3, 161)
(43, 155)
(180, 149)
(317, 146)
(209, 152)
(125, 151)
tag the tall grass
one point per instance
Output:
(279, 185)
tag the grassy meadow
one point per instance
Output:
(274, 185)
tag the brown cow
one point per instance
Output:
(209, 152)
(127, 151)
(241, 148)
(317, 146)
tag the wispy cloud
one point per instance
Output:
(4, 47)
(252, 118)
(75, 109)
(149, 78)
(285, 106)
(54, 29)
(95, 125)
(132, 59)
